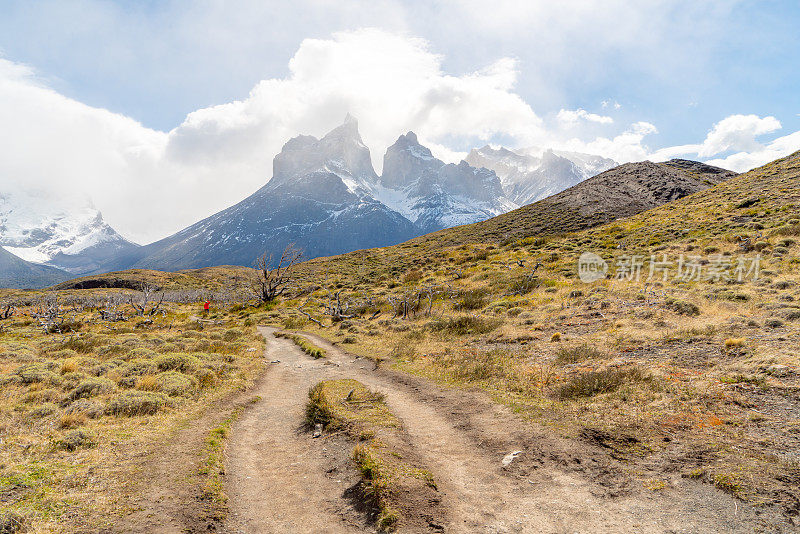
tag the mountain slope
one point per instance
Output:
(319, 198)
(66, 232)
(617, 193)
(529, 175)
(17, 273)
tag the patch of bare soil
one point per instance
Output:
(167, 497)
(494, 472)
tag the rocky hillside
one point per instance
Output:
(528, 175)
(617, 193)
(20, 274)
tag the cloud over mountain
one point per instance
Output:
(150, 183)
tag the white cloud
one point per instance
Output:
(627, 146)
(732, 143)
(150, 183)
(572, 117)
(738, 132)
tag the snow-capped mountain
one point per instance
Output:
(532, 174)
(320, 198)
(66, 232)
(434, 195)
(326, 197)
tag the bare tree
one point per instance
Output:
(147, 295)
(272, 283)
(8, 312)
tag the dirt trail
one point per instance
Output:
(277, 479)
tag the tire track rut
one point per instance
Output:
(277, 478)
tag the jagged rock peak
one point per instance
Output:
(340, 151)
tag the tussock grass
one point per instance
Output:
(465, 325)
(304, 344)
(593, 383)
(579, 353)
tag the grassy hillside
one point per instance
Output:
(681, 377)
(677, 378)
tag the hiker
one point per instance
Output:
(206, 307)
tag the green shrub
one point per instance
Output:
(131, 403)
(472, 299)
(465, 325)
(174, 383)
(88, 407)
(74, 440)
(90, 387)
(138, 367)
(579, 353)
(36, 372)
(43, 410)
(185, 363)
(773, 322)
(232, 334)
(683, 307)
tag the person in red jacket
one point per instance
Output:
(206, 307)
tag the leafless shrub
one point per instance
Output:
(270, 283)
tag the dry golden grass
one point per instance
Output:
(65, 399)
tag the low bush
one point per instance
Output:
(90, 387)
(683, 307)
(88, 407)
(185, 363)
(471, 299)
(465, 325)
(131, 403)
(595, 382)
(74, 440)
(579, 353)
(36, 372)
(174, 384)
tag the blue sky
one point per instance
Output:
(158, 61)
(200, 89)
